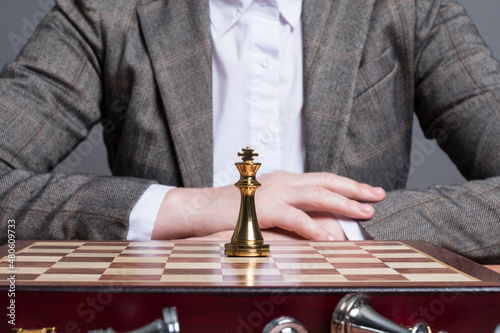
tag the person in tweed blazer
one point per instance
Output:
(143, 69)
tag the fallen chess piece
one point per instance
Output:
(169, 324)
(355, 314)
(352, 314)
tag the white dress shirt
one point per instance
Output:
(257, 97)
(257, 85)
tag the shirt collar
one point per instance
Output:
(291, 11)
(225, 13)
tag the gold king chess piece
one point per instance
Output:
(247, 240)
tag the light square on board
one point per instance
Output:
(68, 277)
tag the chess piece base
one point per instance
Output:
(246, 250)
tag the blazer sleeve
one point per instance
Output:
(457, 101)
(50, 97)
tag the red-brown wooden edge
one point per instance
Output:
(248, 311)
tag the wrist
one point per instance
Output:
(196, 212)
(171, 221)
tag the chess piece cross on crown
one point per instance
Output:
(247, 240)
(248, 154)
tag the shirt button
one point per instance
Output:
(266, 63)
(266, 137)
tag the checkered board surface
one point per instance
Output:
(166, 263)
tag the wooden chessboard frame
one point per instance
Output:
(453, 306)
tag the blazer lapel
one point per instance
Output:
(177, 36)
(334, 35)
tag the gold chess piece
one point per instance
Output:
(247, 240)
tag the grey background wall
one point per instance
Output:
(429, 164)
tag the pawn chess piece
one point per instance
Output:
(247, 240)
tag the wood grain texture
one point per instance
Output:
(298, 264)
(495, 268)
(80, 286)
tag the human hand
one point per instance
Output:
(288, 201)
(273, 234)
(326, 220)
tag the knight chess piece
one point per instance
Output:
(247, 240)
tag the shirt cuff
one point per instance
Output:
(352, 229)
(143, 216)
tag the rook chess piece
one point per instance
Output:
(247, 240)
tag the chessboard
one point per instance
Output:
(86, 285)
(165, 263)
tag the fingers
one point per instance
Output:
(320, 199)
(296, 220)
(344, 186)
(321, 191)
(329, 222)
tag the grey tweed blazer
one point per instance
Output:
(143, 69)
